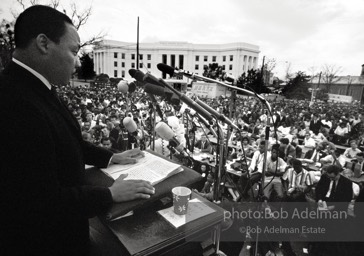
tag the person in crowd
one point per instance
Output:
(286, 150)
(308, 141)
(341, 134)
(299, 182)
(353, 150)
(275, 169)
(203, 145)
(45, 178)
(315, 123)
(254, 174)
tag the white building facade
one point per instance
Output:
(115, 58)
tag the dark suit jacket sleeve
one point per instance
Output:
(96, 156)
(31, 180)
(322, 187)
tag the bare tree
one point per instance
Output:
(330, 74)
(78, 16)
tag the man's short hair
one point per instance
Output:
(333, 169)
(284, 141)
(39, 19)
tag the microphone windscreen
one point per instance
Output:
(132, 87)
(154, 89)
(166, 69)
(129, 124)
(139, 76)
(123, 86)
(132, 72)
(164, 131)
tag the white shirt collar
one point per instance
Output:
(35, 73)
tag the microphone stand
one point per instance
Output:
(220, 163)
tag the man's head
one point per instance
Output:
(261, 147)
(47, 41)
(284, 142)
(105, 142)
(297, 165)
(274, 152)
(333, 172)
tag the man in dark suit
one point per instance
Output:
(45, 203)
(334, 188)
(315, 124)
(203, 144)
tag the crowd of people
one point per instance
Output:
(327, 135)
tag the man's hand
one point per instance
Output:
(127, 157)
(128, 190)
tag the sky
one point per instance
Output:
(301, 34)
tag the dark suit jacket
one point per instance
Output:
(206, 148)
(315, 127)
(344, 190)
(45, 203)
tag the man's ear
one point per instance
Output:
(42, 43)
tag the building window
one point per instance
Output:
(231, 57)
(115, 54)
(115, 63)
(230, 67)
(173, 60)
(115, 73)
(205, 58)
(132, 65)
(223, 58)
(123, 64)
(197, 58)
(181, 61)
(133, 56)
(149, 65)
(140, 65)
(149, 56)
(141, 56)
(123, 55)
(122, 73)
(164, 58)
(213, 58)
(223, 67)
(196, 66)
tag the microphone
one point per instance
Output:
(163, 92)
(136, 74)
(124, 87)
(184, 98)
(130, 125)
(229, 78)
(171, 71)
(213, 112)
(166, 133)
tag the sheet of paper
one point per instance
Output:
(150, 168)
(196, 210)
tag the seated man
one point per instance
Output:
(203, 144)
(334, 188)
(353, 150)
(286, 149)
(313, 155)
(247, 180)
(299, 182)
(275, 169)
